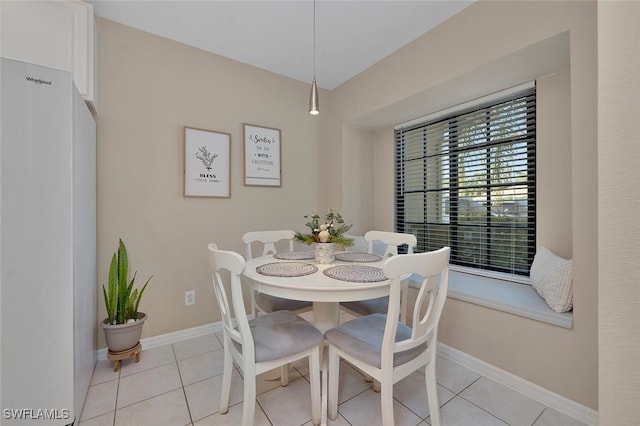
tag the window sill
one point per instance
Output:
(514, 298)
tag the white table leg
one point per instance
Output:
(325, 387)
(326, 315)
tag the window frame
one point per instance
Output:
(488, 104)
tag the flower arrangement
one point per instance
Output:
(332, 230)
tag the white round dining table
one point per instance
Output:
(325, 292)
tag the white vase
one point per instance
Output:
(325, 253)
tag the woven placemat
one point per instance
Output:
(294, 255)
(286, 269)
(352, 256)
(355, 273)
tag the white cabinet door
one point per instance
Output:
(55, 34)
(38, 32)
(83, 47)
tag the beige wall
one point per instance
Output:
(619, 211)
(553, 42)
(151, 87)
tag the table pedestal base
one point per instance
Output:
(326, 315)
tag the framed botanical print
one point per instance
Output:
(207, 163)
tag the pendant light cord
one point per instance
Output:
(313, 97)
(314, 39)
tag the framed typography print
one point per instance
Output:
(262, 156)
(207, 163)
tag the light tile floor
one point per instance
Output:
(179, 384)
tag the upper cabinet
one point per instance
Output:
(56, 34)
(84, 52)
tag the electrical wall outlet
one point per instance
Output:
(189, 298)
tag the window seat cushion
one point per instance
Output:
(552, 278)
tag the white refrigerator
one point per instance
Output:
(48, 268)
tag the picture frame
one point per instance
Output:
(262, 156)
(207, 163)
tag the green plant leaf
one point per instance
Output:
(106, 303)
(113, 290)
(137, 302)
(130, 305)
(120, 298)
(123, 266)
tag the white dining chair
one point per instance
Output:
(389, 350)
(265, 302)
(385, 244)
(266, 342)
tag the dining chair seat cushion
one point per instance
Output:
(362, 339)
(268, 303)
(280, 334)
(369, 306)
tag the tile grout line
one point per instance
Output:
(150, 397)
(115, 403)
(487, 411)
(539, 415)
(459, 394)
(79, 418)
(184, 391)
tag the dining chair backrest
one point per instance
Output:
(433, 269)
(392, 240)
(220, 260)
(268, 239)
(264, 302)
(383, 243)
(360, 245)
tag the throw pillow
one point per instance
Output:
(552, 277)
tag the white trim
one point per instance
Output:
(564, 405)
(470, 104)
(176, 336)
(503, 276)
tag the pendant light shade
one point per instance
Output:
(313, 97)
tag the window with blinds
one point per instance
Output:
(467, 180)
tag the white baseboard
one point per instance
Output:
(176, 336)
(544, 396)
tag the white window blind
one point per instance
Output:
(465, 178)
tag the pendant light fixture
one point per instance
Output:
(313, 97)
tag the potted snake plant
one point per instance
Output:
(123, 325)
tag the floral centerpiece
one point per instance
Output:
(331, 230)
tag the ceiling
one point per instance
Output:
(278, 35)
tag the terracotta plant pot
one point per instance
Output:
(121, 337)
